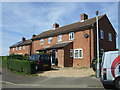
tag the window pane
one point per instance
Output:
(110, 37)
(80, 53)
(76, 53)
(71, 53)
(71, 36)
(101, 34)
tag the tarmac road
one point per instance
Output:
(11, 80)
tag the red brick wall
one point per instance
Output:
(106, 26)
(60, 56)
(79, 42)
(86, 44)
(23, 52)
(36, 43)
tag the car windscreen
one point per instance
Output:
(45, 57)
(34, 57)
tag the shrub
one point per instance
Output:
(27, 67)
(20, 57)
(4, 61)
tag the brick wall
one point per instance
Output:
(23, 52)
(86, 44)
(36, 43)
(105, 25)
(60, 56)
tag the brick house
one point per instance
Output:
(74, 45)
(22, 47)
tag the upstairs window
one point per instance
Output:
(41, 41)
(20, 48)
(101, 34)
(23, 47)
(16, 48)
(109, 36)
(59, 38)
(13, 49)
(50, 40)
(78, 53)
(71, 35)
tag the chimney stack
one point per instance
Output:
(55, 26)
(83, 16)
(23, 39)
(33, 35)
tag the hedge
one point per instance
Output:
(24, 66)
(27, 67)
(4, 61)
(20, 57)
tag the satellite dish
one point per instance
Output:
(86, 35)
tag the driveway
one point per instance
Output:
(68, 72)
(12, 80)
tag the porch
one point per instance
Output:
(60, 54)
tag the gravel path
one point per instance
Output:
(67, 72)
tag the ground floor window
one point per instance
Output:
(78, 53)
(71, 52)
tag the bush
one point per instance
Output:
(4, 61)
(24, 66)
(27, 67)
(20, 57)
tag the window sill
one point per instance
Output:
(78, 58)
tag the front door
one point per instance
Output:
(53, 56)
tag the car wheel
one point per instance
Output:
(117, 83)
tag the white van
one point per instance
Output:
(110, 69)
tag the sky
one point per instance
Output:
(23, 19)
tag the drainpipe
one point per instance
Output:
(98, 65)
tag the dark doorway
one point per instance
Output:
(53, 56)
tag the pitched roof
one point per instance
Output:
(68, 28)
(56, 46)
(21, 43)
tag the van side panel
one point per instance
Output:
(108, 63)
(110, 69)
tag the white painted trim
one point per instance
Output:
(70, 35)
(78, 54)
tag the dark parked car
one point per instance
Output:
(43, 61)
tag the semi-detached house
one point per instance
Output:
(74, 45)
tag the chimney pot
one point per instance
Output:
(83, 16)
(23, 39)
(33, 35)
(56, 25)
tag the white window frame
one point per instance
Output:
(101, 34)
(20, 48)
(16, 48)
(109, 36)
(79, 57)
(71, 36)
(60, 38)
(71, 52)
(41, 41)
(49, 40)
(23, 47)
(13, 49)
